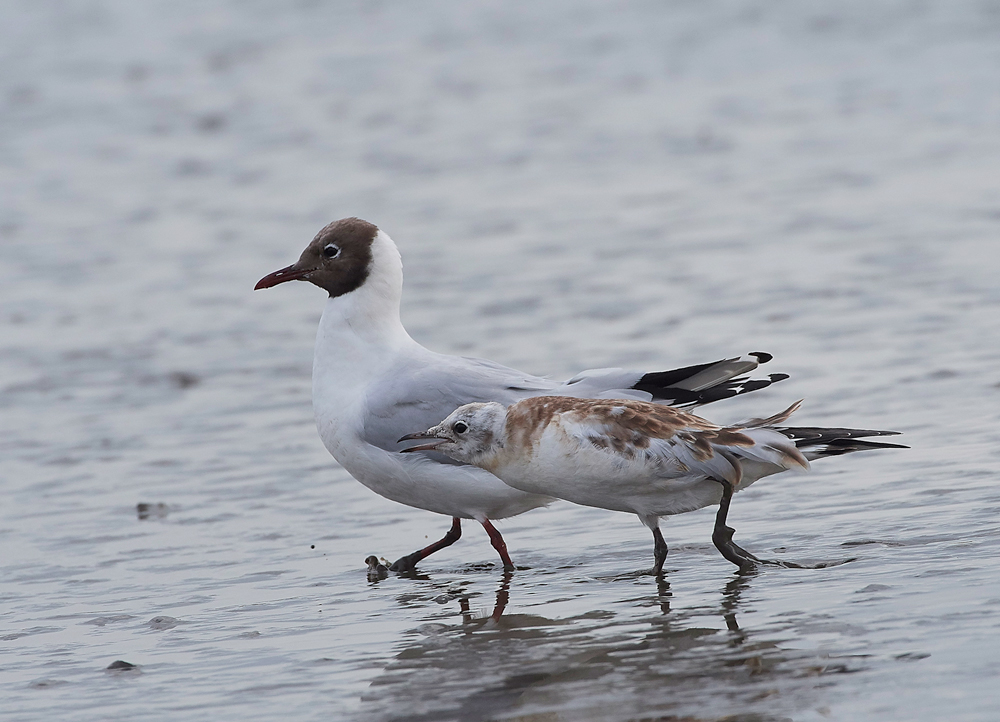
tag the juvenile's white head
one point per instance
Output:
(473, 434)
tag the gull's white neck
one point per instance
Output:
(360, 332)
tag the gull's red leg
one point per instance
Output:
(409, 562)
(499, 545)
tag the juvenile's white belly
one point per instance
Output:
(593, 477)
(636, 495)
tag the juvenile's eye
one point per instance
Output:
(331, 250)
(460, 427)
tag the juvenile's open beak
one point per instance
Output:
(437, 441)
(291, 273)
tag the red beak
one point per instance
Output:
(291, 273)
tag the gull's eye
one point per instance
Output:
(331, 250)
(460, 427)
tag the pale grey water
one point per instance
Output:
(572, 185)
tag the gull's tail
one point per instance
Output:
(705, 383)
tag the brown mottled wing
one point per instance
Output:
(632, 430)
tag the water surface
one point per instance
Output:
(572, 185)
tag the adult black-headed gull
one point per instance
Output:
(372, 383)
(633, 456)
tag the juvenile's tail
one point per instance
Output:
(816, 442)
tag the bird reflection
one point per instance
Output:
(663, 593)
(504, 661)
(731, 601)
(730, 604)
(503, 598)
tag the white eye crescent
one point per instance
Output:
(331, 250)
(460, 427)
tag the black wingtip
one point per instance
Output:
(831, 442)
(837, 447)
(762, 356)
(659, 386)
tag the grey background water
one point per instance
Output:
(572, 185)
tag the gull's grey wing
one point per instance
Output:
(688, 386)
(418, 394)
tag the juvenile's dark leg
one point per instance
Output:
(722, 535)
(499, 545)
(409, 562)
(659, 552)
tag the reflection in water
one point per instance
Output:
(594, 665)
(731, 600)
(503, 597)
(663, 593)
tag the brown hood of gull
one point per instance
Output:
(338, 259)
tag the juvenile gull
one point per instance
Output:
(372, 383)
(634, 456)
